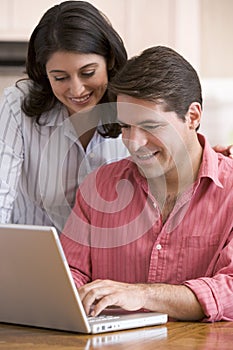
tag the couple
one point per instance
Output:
(159, 224)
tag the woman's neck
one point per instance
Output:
(86, 138)
(85, 124)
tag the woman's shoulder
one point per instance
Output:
(16, 92)
(11, 100)
(14, 95)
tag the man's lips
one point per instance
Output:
(145, 156)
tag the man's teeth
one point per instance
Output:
(82, 99)
(145, 156)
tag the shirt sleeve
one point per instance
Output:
(215, 293)
(11, 148)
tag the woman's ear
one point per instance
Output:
(193, 116)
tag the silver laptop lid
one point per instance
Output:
(36, 286)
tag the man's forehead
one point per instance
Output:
(139, 113)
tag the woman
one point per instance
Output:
(73, 52)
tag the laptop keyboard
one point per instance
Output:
(93, 319)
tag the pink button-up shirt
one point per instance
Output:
(116, 232)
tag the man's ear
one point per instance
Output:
(193, 116)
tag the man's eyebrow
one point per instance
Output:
(149, 121)
(120, 122)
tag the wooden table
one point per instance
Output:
(173, 335)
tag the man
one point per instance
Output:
(154, 231)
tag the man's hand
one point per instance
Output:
(226, 151)
(177, 301)
(98, 295)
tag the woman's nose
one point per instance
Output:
(76, 86)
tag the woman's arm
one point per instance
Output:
(11, 150)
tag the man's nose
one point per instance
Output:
(136, 139)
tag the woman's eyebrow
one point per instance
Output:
(89, 64)
(83, 67)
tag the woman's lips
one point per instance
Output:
(81, 100)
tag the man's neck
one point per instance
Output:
(167, 189)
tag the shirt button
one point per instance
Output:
(158, 247)
(92, 155)
(154, 205)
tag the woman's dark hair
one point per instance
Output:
(160, 74)
(74, 26)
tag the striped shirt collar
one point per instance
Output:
(210, 162)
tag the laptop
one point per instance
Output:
(37, 288)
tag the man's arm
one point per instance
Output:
(176, 300)
(226, 151)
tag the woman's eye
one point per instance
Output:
(59, 78)
(88, 73)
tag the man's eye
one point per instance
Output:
(124, 126)
(150, 127)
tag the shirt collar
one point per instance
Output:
(209, 164)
